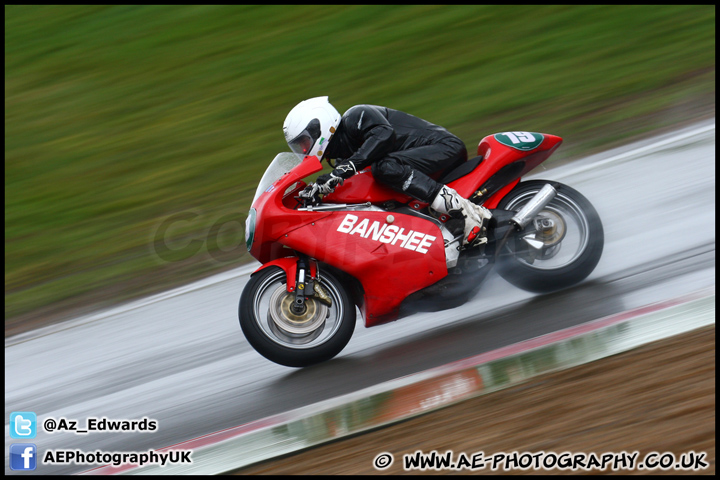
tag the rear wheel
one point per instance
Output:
(569, 240)
(315, 335)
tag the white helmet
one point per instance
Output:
(310, 125)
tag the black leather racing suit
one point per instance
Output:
(403, 150)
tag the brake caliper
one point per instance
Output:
(308, 285)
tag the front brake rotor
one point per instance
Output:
(307, 322)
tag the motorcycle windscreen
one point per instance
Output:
(281, 164)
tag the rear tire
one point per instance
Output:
(317, 335)
(582, 241)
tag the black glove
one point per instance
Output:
(328, 181)
(344, 169)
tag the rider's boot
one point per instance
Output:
(476, 217)
(442, 200)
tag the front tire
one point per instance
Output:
(569, 257)
(276, 333)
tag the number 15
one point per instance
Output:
(519, 137)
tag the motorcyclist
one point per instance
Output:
(402, 150)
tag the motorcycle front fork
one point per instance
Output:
(308, 285)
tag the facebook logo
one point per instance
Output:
(23, 456)
(23, 425)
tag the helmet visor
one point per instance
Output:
(302, 145)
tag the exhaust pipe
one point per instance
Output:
(533, 207)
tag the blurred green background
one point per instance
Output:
(118, 117)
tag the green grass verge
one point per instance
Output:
(117, 117)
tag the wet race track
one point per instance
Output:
(182, 360)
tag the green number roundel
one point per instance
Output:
(524, 141)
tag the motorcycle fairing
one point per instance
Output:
(275, 216)
(498, 158)
(389, 258)
(362, 187)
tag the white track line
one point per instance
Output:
(653, 147)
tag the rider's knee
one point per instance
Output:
(389, 171)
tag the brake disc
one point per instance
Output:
(306, 323)
(550, 227)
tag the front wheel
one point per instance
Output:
(569, 234)
(295, 340)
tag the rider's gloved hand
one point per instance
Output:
(327, 182)
(308, 192)
(344, 169)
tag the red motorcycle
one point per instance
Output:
(368, 246)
